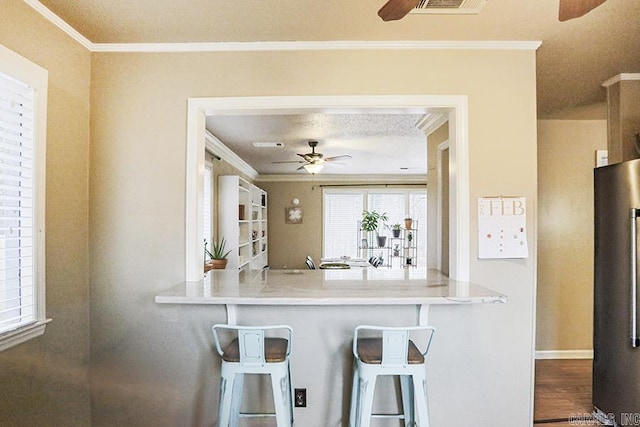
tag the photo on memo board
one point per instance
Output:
(293, 215)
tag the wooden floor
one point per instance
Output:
(563, 393)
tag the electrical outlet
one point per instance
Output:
(300, 397)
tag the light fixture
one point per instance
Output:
(313, 168)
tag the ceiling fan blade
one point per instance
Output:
(396, 9)
(301, 167)
(290, 161)
(334, 158)
(570, 9)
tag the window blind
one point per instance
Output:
(208, 204)
(342, 211)
(17, 284)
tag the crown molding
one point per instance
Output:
(431, 122)
(60, 23)
(346, 178)
(621, 77)
(314, 45)
(216, 147)
(279, 45)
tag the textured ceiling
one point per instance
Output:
(381, 144)
(576, 56)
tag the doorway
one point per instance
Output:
(454, 106)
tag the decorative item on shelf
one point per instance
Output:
(396, 250)
(395, 229)
(408, 223)
(409, 261)
(218, 255)
(254, 235)
(410, 237)
(364, 244)
(373, 221)
(241, 215)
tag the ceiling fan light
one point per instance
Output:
(313, 168)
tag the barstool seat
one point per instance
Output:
(390, 351)
(251, 352)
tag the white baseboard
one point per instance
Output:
(564, 354)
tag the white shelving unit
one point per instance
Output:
(242, 221)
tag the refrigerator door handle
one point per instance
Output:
(634, 213)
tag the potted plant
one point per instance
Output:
(372, 221)
(395, 229)
(218, 255)
(408, 222)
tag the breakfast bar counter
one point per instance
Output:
(329, 287)
(370, 286)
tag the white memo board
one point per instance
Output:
(502, 227)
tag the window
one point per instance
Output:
(207, 229)
(342, 209)
(23, 99)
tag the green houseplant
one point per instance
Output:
(395, 229)
(217, 254)
(373, 221)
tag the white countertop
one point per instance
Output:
(360, 286)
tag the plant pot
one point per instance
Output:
(219, 264)
(396, 233)
(382, 241)
(408, 223)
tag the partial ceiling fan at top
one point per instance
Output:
(570, 9)
(398, 9)
(394, 10)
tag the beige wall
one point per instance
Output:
(153, 365)
(45, 381)
(566, 158)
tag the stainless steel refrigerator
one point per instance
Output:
(616, 340)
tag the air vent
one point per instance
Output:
(450, 6)
(268, 144)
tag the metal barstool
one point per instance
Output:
(381, 350)
(251, 352)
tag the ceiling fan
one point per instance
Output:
(393, 10)
(314, 162)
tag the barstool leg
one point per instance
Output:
(354, 396)
(420, 390)
(281, 387)
(226, 394)
(236, 399)
(406, 385)
(367, 385)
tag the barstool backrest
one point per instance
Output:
(391, 346)
(249, 345)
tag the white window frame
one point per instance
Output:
(456, 107)
(364, 192)
(25, 71)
